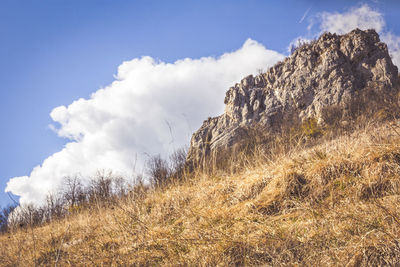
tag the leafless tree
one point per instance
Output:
(158, 170)
(178, 163)
(4, 214)
(100, 187)
(54, 208)
(73, 191)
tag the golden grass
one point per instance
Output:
(334, 204)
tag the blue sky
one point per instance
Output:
(53, 52)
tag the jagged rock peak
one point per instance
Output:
(330, 71)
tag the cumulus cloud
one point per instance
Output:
(152, 107)
(362, 17)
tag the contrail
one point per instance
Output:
(305, 15)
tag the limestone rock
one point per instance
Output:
(331, 71)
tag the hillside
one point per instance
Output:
(336, 203)
(302, 169)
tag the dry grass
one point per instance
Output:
(336, 203)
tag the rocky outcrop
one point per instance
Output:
(331, 71)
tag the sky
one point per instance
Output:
(102, 84)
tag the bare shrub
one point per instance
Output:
(100, 187)
(72, 191)
(158, 170)
(54, 207)
(178, 163)
(28, 215)
(120, 186)
(4, 214)
(72, 197)
(138, 189)
(332, 115)
(162, 172)
(373, 103)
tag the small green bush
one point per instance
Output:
(311, 128)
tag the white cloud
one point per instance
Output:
(362, 17)
(119, 125)
(393, 43)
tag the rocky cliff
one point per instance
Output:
(334, 70)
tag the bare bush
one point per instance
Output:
(120, 186)
(178, 163)
(332, 115)
(158, 171)
(54, 207)
(4, 214)
(100, 188)
(73, 191)
(28, 215)
(72, 197)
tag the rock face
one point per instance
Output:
(331, 71)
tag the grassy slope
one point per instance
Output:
(336, 203)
